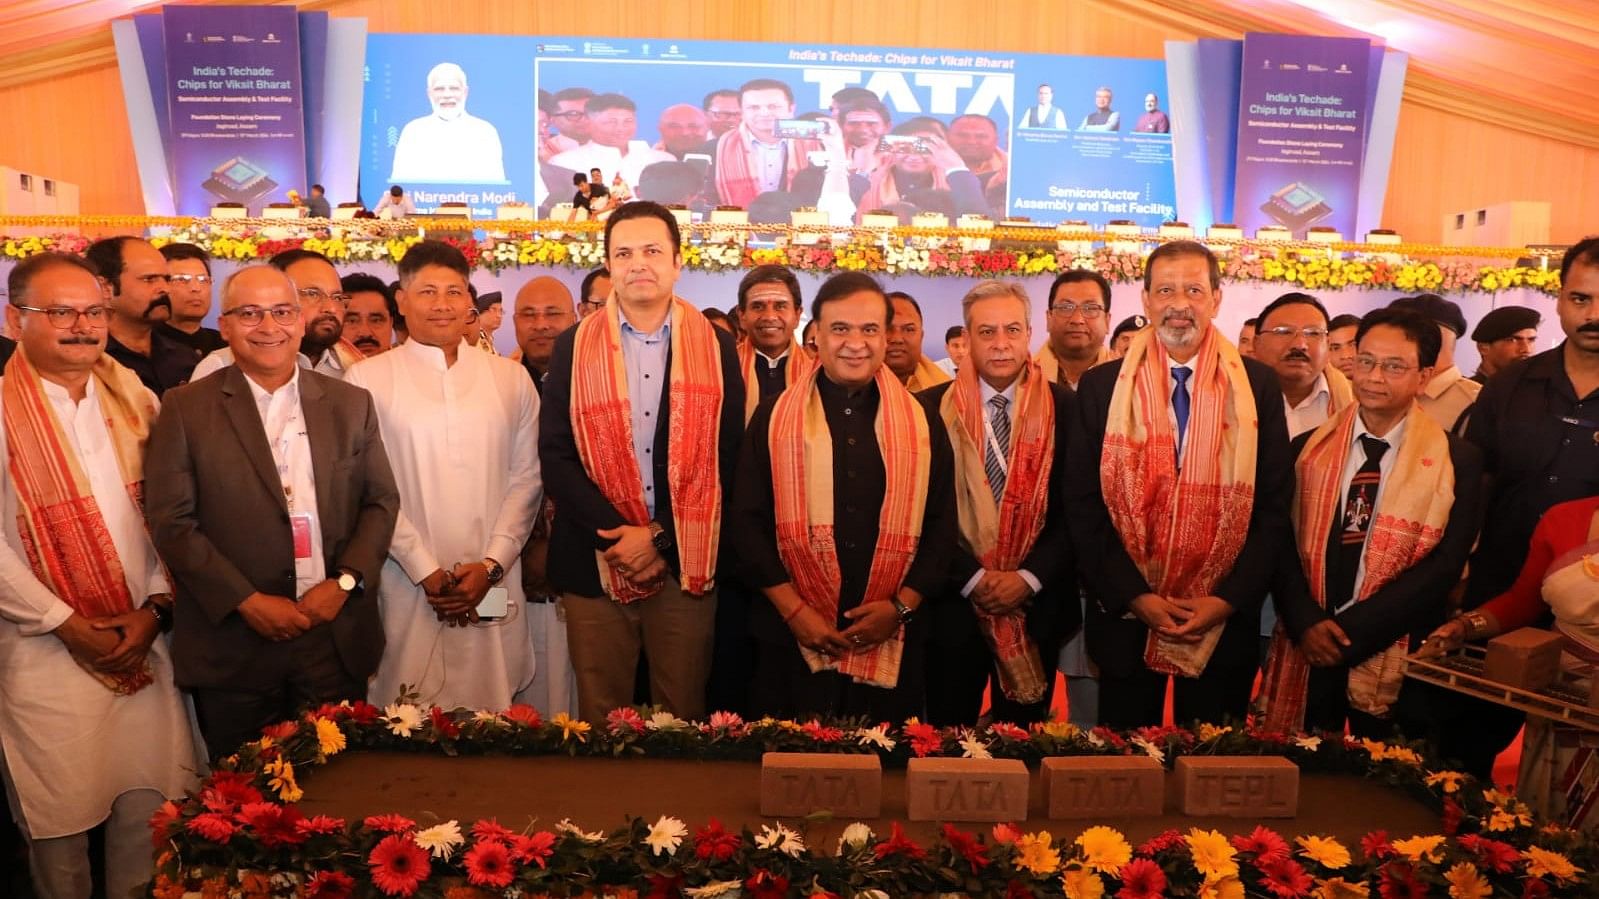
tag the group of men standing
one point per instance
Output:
(443, 522)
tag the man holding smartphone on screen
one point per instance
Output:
(461, 424)
(770, 150)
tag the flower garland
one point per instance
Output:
(240, 834)
(895, 253)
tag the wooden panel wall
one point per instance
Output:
(74, 127)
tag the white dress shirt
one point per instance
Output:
(1009, 393)
(1357, 458)
(218, 359)
(1311, 413)
(284, 422)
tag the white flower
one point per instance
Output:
(1150, 749)
(665, 721)
(855, 836)
(403, 718)
(780, 838)
(441, 839)
(715, 888)
(1096, 739)
(487, 717)
(1310, 743)
(566, 826)
(666, 835)
(973, 748)
(871, 894)
(875, 736)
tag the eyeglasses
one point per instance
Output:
(1287, 332)
(592, 304)
(250, 316)
(185, 280)
(569, 114)
(1089, 310)
(152, 280)
(64, 317)
(1393, 368)
(318, 295)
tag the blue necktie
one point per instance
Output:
(1179, 404)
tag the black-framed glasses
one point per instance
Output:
(250, 316)
(592, 304)
(64, 317)
(1089, 310)
(569, 114)
(1393, 368)
(318, 295)
(1310, 332)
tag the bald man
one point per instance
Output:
(543, 310)
(683, 128)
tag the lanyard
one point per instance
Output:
(282, 442)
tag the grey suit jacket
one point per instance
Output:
(220, 522)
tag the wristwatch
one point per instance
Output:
(903, 611)
(163, 615)
(495, 570)
(659, 537)
(348, 580)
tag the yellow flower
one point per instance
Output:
(1060, 730)
(1034, 853)
(1449, 780)
(1222, 888)
(1213, 855)
(1080, 883)
(1324, 851)
(1208, 732)
(281, 772)
(1542, 862)
(1104, 849)
(1339, 888)
(1421, 849)
(1503, 819)
(329, 739)
(1405, 755)
(571, 727)
(1466, 883)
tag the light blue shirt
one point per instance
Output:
(768, 162)
(644, 356)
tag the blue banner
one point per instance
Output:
(488, 120)
(1303, 111)
(236, 126)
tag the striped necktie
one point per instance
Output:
(999, 420)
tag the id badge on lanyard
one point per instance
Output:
(301, 526)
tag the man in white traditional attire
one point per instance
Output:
(92, 725)
(461, 430)
(448, 144)
(323, 300)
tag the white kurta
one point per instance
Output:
(463, 442)
(72, 746)
(465, 148)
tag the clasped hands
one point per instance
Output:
(115, 644)
(1183, 620)
(280, 618)
(455, 594)
(634, 555)
(872, 623)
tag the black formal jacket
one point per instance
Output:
(1413, 603)
(1054, 614)
(859, 481)
(1112, 581)
(218, 517)
(581, 508)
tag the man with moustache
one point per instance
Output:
(1504, 336)
(272, 502)
(1385, 511)
(613, 124)
(369, 316)
(1341, 344)
(543, 310)
(593, 292)
(751, 159)
(93, 727)
(1293, 341)
(1011, 598)
(903, 354)
(683, 129)
(461, 425)
(1178, 475)
(843, 517)
(976, 139)
(189, 277)
(1079, 313)
(137, 273)
(722, 111)
(323, 302)
(643, 410)
(769, 307)
(1449, 393)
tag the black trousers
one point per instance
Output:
(303, 671)
(1138, 699)
(732, 650)
(1327, 707)
(785, 687)
(961, 666)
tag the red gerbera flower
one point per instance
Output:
(1006, 833)
(1399, 882)
(525, 715)
(280, 731)
(665, 886)
(363, 712)
(163, 821)
(1141, 879)
(1110, 736)
(213, 826)
(227, 790)
(398, 865)
(714, 843)
(533, 850)
(1535, 889)
(1491, 854)
(816, 731)
(925, 739)
(624, 720)
(319, 825)
(442, 725)
(1284, 877)
(898, 844)
(488, 864)
(1171, 839)
(390, 823)
(329, 885)
(763, 884)
(491, 829)
(274, 825)
(1007, 731)
(1453, 813)
(967, 846)
(1266, 845)
(1376, 845)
